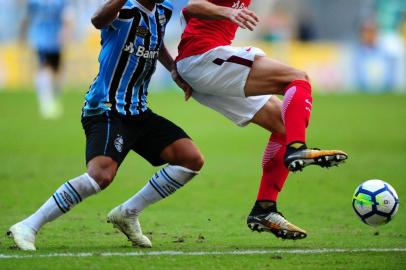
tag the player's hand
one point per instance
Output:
(187, 89)
(244, 18)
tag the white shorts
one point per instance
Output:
(218, 80)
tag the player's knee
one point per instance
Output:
(194, 161)
(198, 162)
(301, 78)
(103, 173)
(301, 75)
(290, 75)
(307, 77)
(103, 177)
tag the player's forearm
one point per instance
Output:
(107, 13)
(165, 58)
(204, 9)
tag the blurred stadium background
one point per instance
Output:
(348, 45)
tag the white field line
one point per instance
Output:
(200, 253)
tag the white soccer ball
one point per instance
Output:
(375, 202)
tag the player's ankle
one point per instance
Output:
(295, 146)
(263, 206)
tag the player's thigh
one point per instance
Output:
(240, 110)
(269, 76)
(270, 116)
(105, 146)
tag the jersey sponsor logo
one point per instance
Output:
(129, 47)
(142, 32)
(148, 54)
(239, 5)
(118, 143)
(141, 51)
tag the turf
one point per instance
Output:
(208, 215)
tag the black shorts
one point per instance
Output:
(114, 135)
(52, 59)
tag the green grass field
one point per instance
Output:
(208, 215)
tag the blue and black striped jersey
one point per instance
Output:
(130, 48)
(46, 22)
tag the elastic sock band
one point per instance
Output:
(94, 184)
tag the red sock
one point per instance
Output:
(296, 109)
(274, 171)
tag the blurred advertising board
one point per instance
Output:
(332, 67)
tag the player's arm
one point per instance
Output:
(167, 61)
(206, 10)
(107, 13)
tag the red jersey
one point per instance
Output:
(201, 35)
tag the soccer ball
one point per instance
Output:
(375, 202)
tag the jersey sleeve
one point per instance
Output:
(168, 6)
(124, 17)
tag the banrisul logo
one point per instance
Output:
(118, 143)
(129, 47)
(148, 54)
(141, 51)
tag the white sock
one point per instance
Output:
(45, 92)
(161, 185)
(65, 198)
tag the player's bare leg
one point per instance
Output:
(185, 161)
(102, 169)
(268, 76)
(269, 116)
(183, 153)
